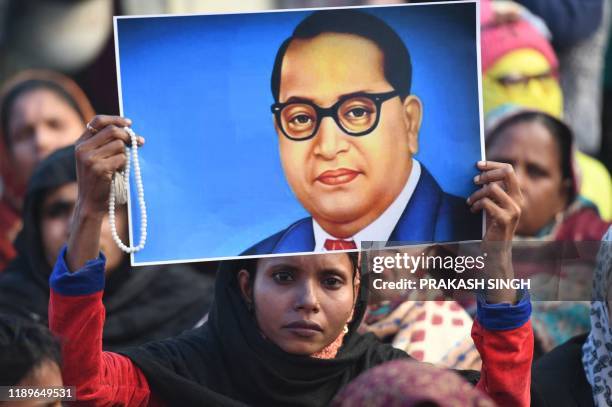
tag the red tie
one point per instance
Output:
(331, 244)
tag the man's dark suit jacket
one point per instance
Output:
(558, 378)
(430, 216)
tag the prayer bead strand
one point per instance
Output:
(123, 179)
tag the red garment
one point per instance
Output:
(506, 363)
(9, 223)
(582, 225)
(107, 378)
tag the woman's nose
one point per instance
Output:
(307, 299)
(44, 141)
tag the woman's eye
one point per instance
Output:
(536, 172)
(56, 124)
(282, 277)
(58, 210)
(332, 282)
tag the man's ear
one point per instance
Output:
(413, 116)
(244, 282)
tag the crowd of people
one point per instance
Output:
(73, 311)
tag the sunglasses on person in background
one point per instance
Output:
(356, 114)
(520, 79)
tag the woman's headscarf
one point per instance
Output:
(518, 48)
(408, 384)
(149, 303)
(597, 350)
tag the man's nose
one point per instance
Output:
(330, 139)
(307, 299)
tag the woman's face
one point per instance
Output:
(302, 303)
(40, 122)
(56, 218)
(534, 153)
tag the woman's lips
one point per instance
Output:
(337, 177)
(304, 328)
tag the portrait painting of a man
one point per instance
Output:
(349, 110)
(354, 172)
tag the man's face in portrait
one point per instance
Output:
(345, 181)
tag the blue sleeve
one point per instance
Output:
(502, 317)
(569, 21)
(87, 280)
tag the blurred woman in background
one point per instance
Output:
(40, 112)
(540, 148)
(150, 303)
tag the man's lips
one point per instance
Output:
(338, 176)
(304, 328)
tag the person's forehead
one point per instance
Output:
(528, 134)
(66, 192)
(329, 65)
(39, 103)
(312, 262)
(39, 97)
(528, 139)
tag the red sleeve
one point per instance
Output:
(506, 363)
(101, 378)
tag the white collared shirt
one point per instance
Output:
(381, 228)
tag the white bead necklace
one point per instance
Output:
(120, 188)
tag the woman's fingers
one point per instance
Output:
(107, 135)
(500, 197)
(493, 171)
(115, 162)
(99, 122)
(91, 141)
(495, 192)
(111, 134)
(496, 202)
(110, 149)
(492, 209)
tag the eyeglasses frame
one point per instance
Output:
(332, 111)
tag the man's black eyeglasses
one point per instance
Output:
(356, 114)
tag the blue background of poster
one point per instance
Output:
(198, 89)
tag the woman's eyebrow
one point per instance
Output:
(333, 270)
(284, 267)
